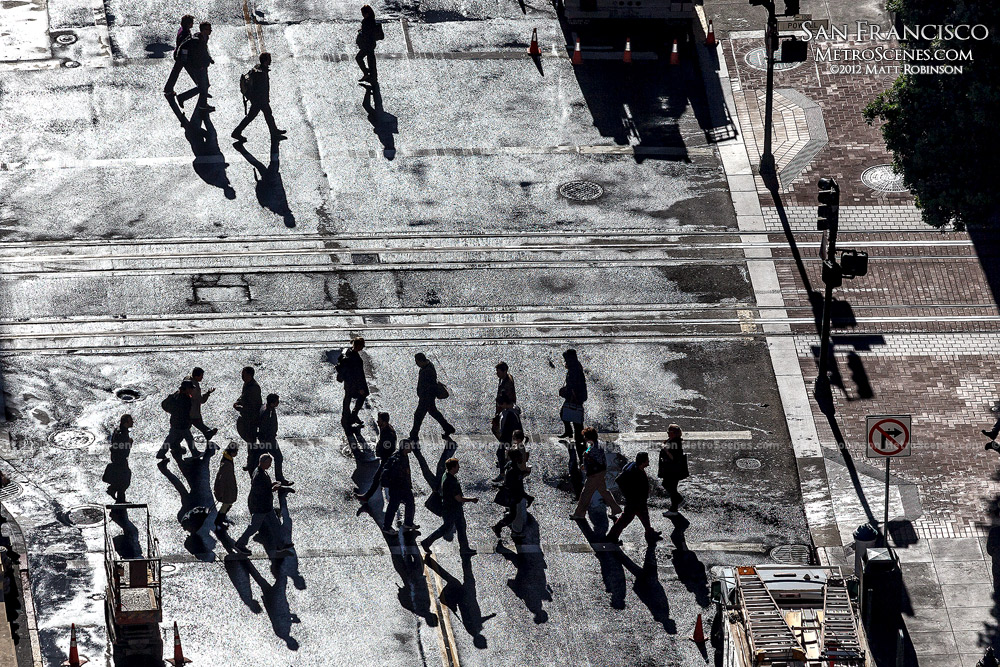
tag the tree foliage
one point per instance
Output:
(943, 129)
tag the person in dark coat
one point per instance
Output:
(514, 472)
(183, 35)
(260, 502)
(672, 468)
(505, 386)
(595, 465)
(453, 511)
(427, 392)
(384, 449)
(178, 405)
(117, 474)
(196, 62)
(198, 398)
(351, 370)
(368, 35)
(574, 391)
(248, 405)
(397, 480)
(267, 438)
(225, 488)
(634, 485)
(510, 421)
(259, 96)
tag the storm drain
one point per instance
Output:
(86, 515)
(883, 178)
(66, 38)
(581, 190)
(128, 395)
(748, 464)
(792, 554)
(11, 491)
(72, 438)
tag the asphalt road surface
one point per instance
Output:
(431, 219)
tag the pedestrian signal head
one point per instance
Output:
(829, 204)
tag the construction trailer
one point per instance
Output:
(133, 602)
(789, 616)
(586, 10)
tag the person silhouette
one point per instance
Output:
(256, 88)
(369, 33)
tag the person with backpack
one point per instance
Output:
(453, 511)
(384, 449)
(397, 480)
(673, 467)
(634, 485)
(369, 33)
(512, 495)
(510, 421)
(178, 405)
(180, 55)
(595, 465)
(255, 86)
(351, 371)
(428, 391)
(196, 62)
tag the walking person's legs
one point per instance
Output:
(360, 59)
(517, 526)
(461, 529)
(256, 520)
(439, 418)
(390, 511)
(251, 114)
(624, 520)
(220, 517)
(670, 486)
(586, 495)
(175, 71)
(409, 508)
(609, 499)
(446, 527)
(418, 420)
(273, 129)
(376, 481)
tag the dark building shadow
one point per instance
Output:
(460, 596)
(384, 124)
(986, 240)
(195, 490)
(529, 583)
(270, 188)
(990, 634)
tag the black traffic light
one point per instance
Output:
(758, 3)
(829, 204)
(854, 263)
(794, 51)
(833, 274)
(791, 7)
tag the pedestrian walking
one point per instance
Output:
(384, 449)
(117, 474)
(267, 439)
(369, 33)
(634, 485)
(225, 488)
(196, 62)
(509, 422)
(512, 495)
(453, 510)
(260, 502)
(248, 405)
(255, 86)
(178, 405)
(351, 371)
(428, 391)
(505, 386)
(198, 399)
(673, 467)
(180, 54)
(596, 468)
(397, 480)
(574, 394)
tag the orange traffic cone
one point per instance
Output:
(533, 49)
(675, 57)
(577, 55)
(699, 632)
(74, 656)
(178, 660)
(710, 40)
(627, 56)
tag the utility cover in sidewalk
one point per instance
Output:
(72, 438)
(748, 464)
(883, 178)
(581, 190)
(792, 554)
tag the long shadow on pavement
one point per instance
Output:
(270, 188)
(460, 596)
(529, 583)
(196, 474)
(209, 162)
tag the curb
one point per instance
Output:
(20, 548)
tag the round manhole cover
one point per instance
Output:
(757, 58)
(66, 39)
(168, 567)
(11, 491)
(72, 438)
(747, 464)
(581, 190)
(87, 515)
(71, 64)
(883, 179)
(792, 554)
(128, 394)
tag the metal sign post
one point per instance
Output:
(888, 437)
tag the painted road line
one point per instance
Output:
(445, 632)
(406, 36)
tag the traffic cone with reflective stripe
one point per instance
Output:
(710, 40)
(577, 55)
(74, 656)
(699, 632)
(178, 660)
(533, 49)
(675, 57)
(627, 56)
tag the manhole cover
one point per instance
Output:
(792, 554)
(71, 64)
(757, 58)
(128, 395)
(66, 39)
(747, 464)
(72, 438)
(581, 190)
(883, 179)
(168, 567)
(11, 491)
(87, 515)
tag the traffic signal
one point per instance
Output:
(791, 7)
(794, 51)
(833, 274)
(854, 263)
(758, 3)
(829, 204)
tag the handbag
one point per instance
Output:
(682, 467)
(502, 497)
(434, 503)
(442, 391)
(572, 413)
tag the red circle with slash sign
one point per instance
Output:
(895, 443)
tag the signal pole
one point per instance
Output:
(770, 41)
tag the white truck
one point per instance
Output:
(789, 616)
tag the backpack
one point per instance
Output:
(168, 404)
(246, 87)
(392, 475)
(627, 478)
(182, 48)
(340, 360)
(598, 461)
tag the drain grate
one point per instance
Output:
(748, 464)
(86, 515)
(792, 554)
(883, 178)
(72, 438)
(11, 491)
(128, 395)
(581, 190)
